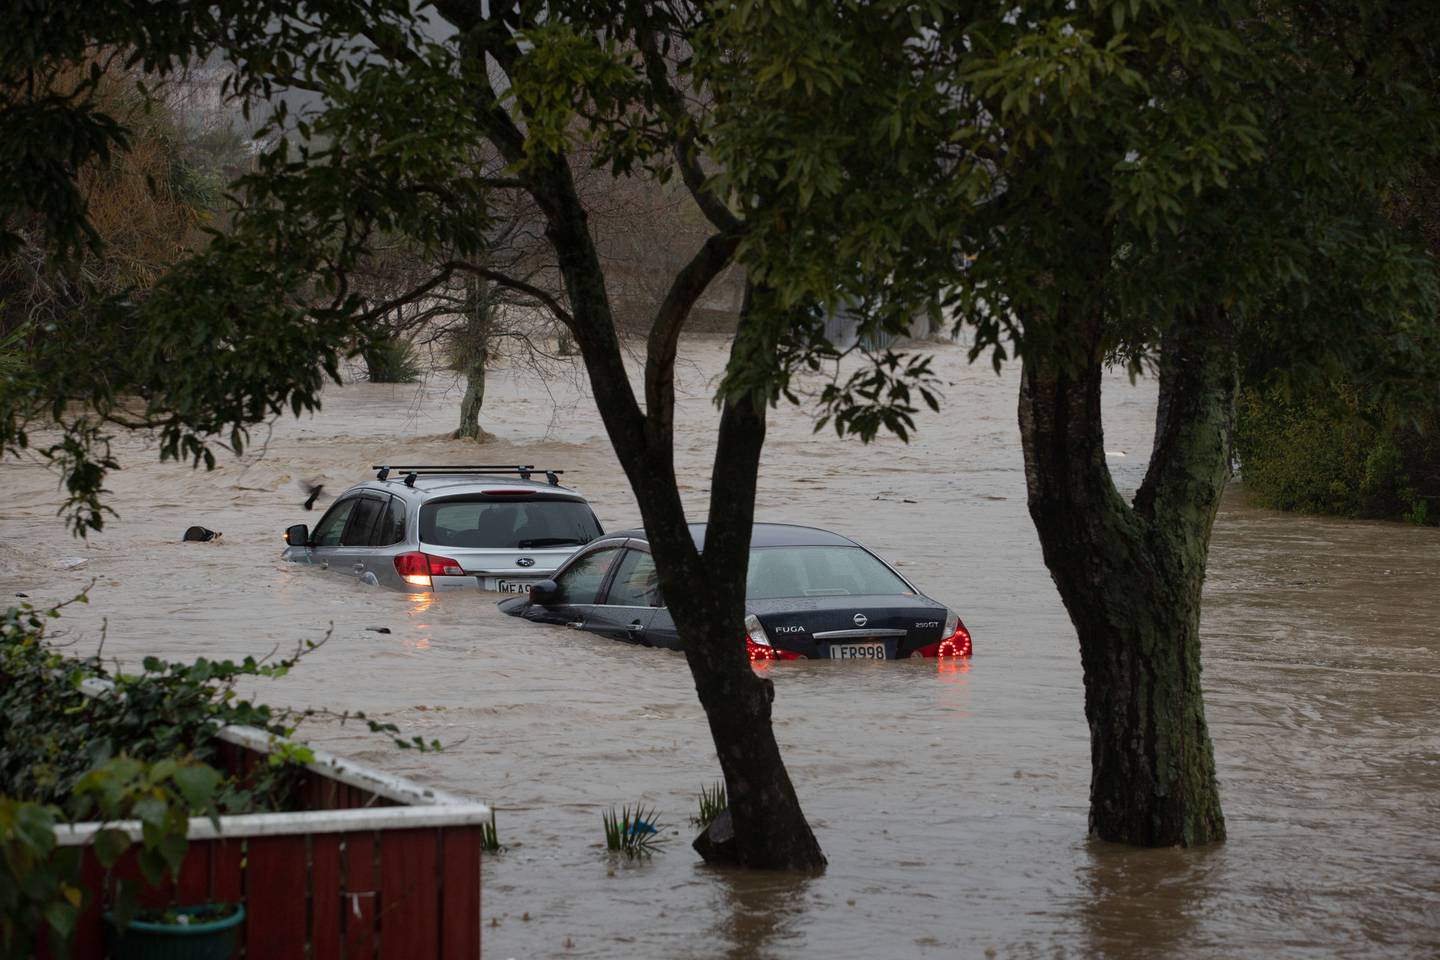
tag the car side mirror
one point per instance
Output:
(546, 591)
(298, 535)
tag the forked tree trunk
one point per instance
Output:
(704, 592)
(1131, 575)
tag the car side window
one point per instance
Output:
(581, 583)
(328, 530)
(392, 527)
(360, 531)
(636, 583)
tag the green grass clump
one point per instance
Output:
(713, 802)
(489, 839)
(633, 833)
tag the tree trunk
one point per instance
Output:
(1131, 576)
(770, 827)
(705, 594)
(472, 353)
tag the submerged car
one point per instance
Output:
(433, 528)
(809, 593)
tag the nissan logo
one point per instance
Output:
(860, 619)
(524, 562)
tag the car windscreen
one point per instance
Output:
(777, 572)
(515, 522)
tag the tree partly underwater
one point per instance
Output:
(1161, 185)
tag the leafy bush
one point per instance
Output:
(147, 751)
(52, 734)
(1335, 453)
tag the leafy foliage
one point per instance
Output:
(52, 733)
(39, 883)
(144, 750)
(1040, 162)
(1335, 452)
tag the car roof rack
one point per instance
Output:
(411, 472)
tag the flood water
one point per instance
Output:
(950, 800)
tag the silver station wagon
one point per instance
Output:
(433, 528)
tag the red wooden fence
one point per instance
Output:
(376, 867)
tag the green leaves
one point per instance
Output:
(38, 883)
(197, 784)
(879, 397)
(110, 844)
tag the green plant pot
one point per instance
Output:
(147, 940)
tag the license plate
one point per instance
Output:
(507, 586)
(857, 651)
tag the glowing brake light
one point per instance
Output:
(417, 568)
(954, 642)
(757, 643)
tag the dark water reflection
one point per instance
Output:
(1144, 903)
(951, 801)
(755, 916)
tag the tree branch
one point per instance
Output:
(683, 141)
(687, 287)
(505, 280)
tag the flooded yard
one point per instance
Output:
(950, 799)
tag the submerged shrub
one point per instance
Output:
(632, 832)
(393, 360)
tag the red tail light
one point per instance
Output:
(757, 643)
(957, 644)
(763, 652)
(418, 568)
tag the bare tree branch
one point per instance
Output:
(505, 280)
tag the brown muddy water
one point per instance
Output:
(951, 801)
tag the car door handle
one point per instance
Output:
(575, 624)
(359, 567)
(636, 628)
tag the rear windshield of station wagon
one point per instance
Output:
(515, 523)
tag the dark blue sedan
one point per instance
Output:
(809, 593)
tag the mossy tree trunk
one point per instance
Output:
(1130, 575)
(472, 353)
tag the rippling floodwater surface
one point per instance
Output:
(950, 800)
